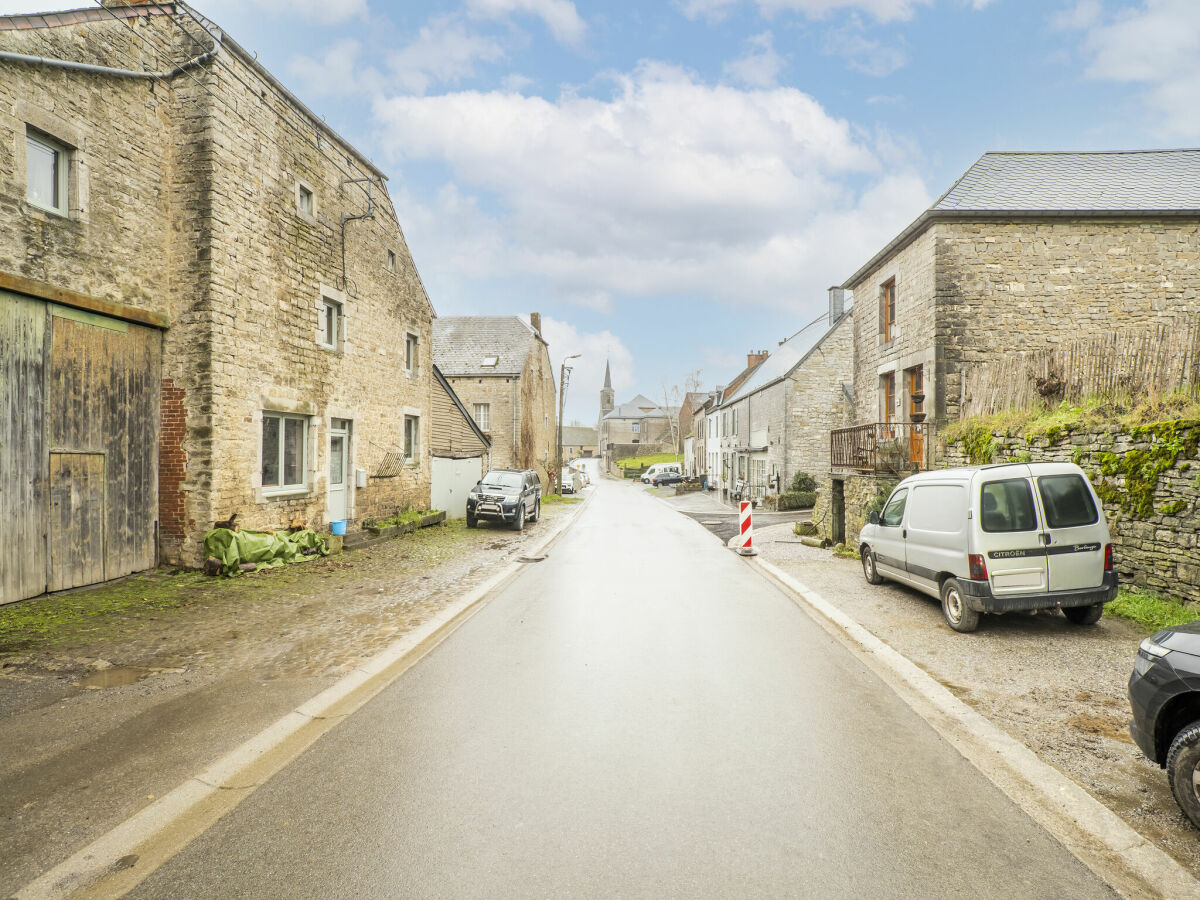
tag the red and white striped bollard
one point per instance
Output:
(747, 529)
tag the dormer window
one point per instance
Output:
(490, 362)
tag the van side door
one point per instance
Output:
(1008, 533)
(936, 538)
(888, 545)
(1075, 532)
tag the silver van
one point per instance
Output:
(995, 539)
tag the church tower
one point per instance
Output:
(607, 397)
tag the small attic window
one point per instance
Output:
(490, 362)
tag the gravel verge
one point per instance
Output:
(1058, 688)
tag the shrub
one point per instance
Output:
(797, 500)
(805, 529)
(803, 483)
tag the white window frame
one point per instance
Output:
(483, 417)
(339, 326)
(303, 189)
(637, 427)
(412, 354)
(391, 261)
(284, 489)
(412, 451)
(62, 162)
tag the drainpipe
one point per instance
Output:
(108, 70)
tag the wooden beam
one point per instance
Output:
(43, 291)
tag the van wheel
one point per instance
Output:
(955, 611)
(869, 571)
(1084, 615)
(1183, 771)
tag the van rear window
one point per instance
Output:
(1007, 506)
(1067, 501)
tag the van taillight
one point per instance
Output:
(1108, 558)
(978, 567)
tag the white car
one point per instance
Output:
(660, 467)
(995, 539)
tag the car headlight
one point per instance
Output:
(1150, 648)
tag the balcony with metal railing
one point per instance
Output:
(881, 448)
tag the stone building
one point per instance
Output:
(1023, 252)
(500, 368)
(579, 441)
(230, 274)
(781, 415)
(640, 427)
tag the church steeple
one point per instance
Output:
(607, 395)
(607, 377)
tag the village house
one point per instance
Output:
(726, 429)
(1024, 252)
(579, 441)
(208, 306)
(461, 451)
(638, 428)
(500, 368)
(781, 414)
(691, 405)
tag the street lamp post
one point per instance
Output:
(564, 372)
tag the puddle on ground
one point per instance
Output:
(114, 677)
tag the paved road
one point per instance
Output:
(641, 715)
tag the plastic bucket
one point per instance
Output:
(338, 527)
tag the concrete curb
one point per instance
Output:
(1096, 835)
(118, 861)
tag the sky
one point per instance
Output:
(673, 185)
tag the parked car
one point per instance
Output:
(995, 539)
(572, 481)
(512, 496)
(1164, 693)
(659, 467)
(668, 476)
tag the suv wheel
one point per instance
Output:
(1183, 771)
(1084, 615)
(519, 521)
(537, 510)
(470, 521)
(868, 563)
(955, 611)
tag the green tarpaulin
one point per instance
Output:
(267, 550)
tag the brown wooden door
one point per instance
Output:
(23, 477)
(77, 519)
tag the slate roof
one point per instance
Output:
(462, 343)
(789, 354)
(1135, 181)
(579, 436)
(1109, 183)
(633, 409)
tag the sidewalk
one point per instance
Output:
(1057, 688)
(99, 718)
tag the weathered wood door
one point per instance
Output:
(77, 520)
(23, 558)
(79, 413)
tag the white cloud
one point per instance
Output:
(881, 10)
(760, 65)
(1156, 44)
(335, 73)
(669, 188)
(587, 377)
(444, 51)
(864, 54)
(560, 16)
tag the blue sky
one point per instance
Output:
(673, 185)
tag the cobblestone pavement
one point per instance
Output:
(1056, 687)
(96, 723)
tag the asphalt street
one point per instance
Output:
(639, 715)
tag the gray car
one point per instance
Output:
(511, 496)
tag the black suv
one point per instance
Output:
(513, 496)
(1164, 691)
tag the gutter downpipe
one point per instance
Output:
(107, 70)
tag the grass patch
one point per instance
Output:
(637, 462)
(841, 551)
(1150, 611)
(82, 613)
(551, 499)
(403, 518)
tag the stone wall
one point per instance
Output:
(1155, 522)
(184, 202)
(817, 404)
(859, 492)
(1014, 286)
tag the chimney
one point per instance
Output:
(754, 357)
(535, 319)
(837, 303)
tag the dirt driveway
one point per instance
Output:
(1056, 687)
(111, 696)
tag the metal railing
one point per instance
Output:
(896, 448)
